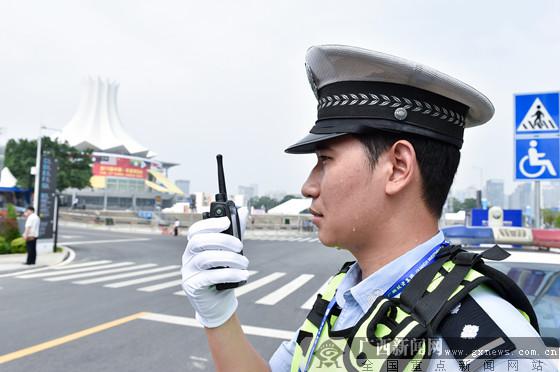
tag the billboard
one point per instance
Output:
(109, 165)
(47, 189)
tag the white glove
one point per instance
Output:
(208, 248)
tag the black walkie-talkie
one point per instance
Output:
(223, 207)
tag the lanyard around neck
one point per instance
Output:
(394, 290)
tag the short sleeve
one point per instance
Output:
(281, 360)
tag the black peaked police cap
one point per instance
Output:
(360, 91)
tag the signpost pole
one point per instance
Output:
(537, 208)
(37, 171)
(55, 225)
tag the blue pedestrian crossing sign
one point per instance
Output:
(537, 137)
(537, 113)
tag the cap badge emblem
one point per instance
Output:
(400, 113)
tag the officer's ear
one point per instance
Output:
(403, 166)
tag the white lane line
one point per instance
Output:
(83, 264)
(146, 279)
(157, 287)
(105, 241)
(274, 297)
(251, 286)
(308, 305)
(182, 293)
(126, 275)
(70, 236)
(25, 272)
(53, 267)
(314, 240)
(80, 270)
(97, 273)
(191, 322)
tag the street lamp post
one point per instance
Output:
(37, 171)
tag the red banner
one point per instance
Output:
(120, 167)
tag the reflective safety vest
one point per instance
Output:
(400, 328)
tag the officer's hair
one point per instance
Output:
(438, 162)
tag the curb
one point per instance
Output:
(69, 256)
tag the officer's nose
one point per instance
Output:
(310, 188)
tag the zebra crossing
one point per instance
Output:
(151, 277)
(276, 238)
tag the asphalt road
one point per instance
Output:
(64, 320)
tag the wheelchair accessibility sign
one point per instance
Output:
(537, 159)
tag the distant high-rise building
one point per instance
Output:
(248, 191)
(521, 198)
(184, 185)
(495, 193)
(550, 195)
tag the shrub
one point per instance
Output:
(9, 228)
(18, 246)
(4, 246)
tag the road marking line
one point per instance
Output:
(84, 264)
(191, 322)
(251, 286)
(72, 271)
(68, 338)
(199, 359)
(274, 297)
(126, 275)
(105, 241)
(98, 273)
(146, 279)
(308, 305)
(157, 287)
(56, 267)
(182, 293)
(70, 236)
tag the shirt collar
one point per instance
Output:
(366, 291)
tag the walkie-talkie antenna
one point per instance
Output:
(221, 179)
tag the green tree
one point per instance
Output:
(469, 203)
(74, 166)
(19, 157)
(549, 216)
(288, 197)
(557, 221)
(265, 202)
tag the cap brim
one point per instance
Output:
(308, 144)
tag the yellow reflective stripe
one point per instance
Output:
(329, 292)
(525, 315)
(472, 275)
(401, 315)
(435, 282)
(448, 266)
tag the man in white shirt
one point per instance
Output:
(31, 234)
(176, 227)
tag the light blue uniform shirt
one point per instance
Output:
(355, 297)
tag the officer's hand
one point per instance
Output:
(208, 248)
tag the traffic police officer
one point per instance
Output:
(387, 141)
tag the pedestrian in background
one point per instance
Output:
(176, 227)
(31, 234)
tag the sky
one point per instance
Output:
(199, 78)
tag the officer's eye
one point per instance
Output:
(323, 158)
